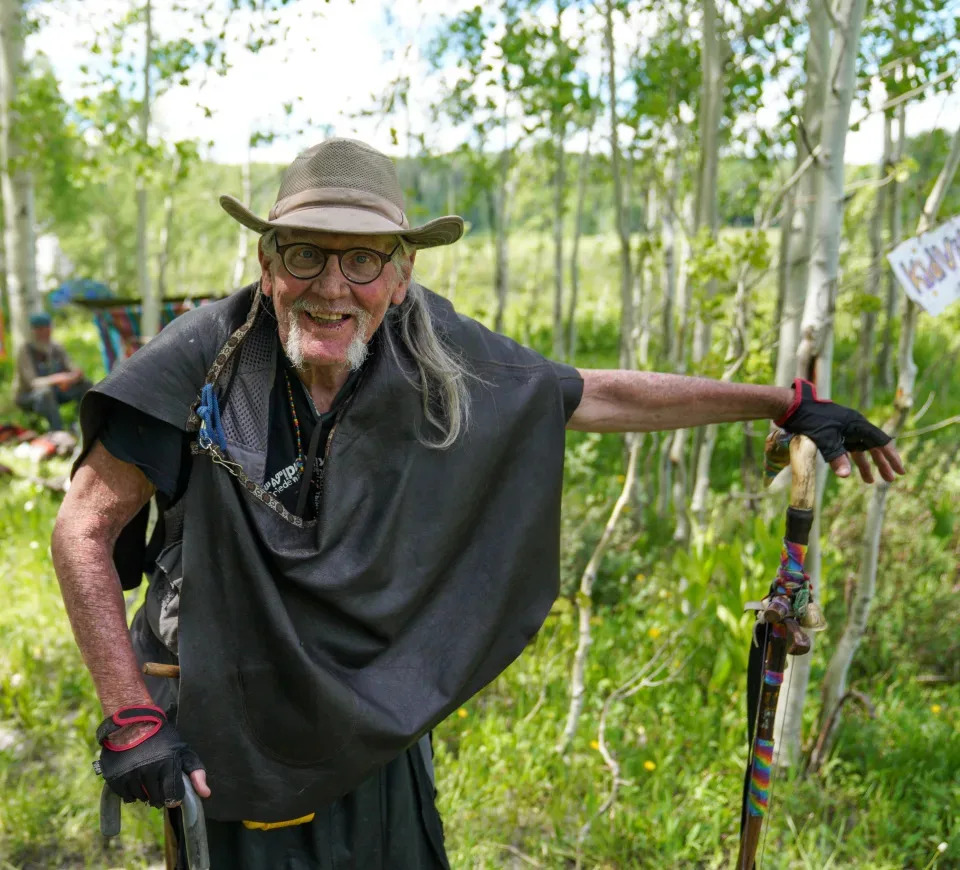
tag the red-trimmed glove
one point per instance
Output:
(835, 429)
(151, 768)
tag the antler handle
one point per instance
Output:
(803, 467)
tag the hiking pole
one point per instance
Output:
(783, 619)
(191, 814)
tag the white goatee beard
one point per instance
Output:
(293, 347)
(357, 350)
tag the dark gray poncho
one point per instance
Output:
(313, 653)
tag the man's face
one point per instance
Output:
(41, 335)
(326, 322)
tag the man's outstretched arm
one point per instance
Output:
(632, 401)
(104, 496)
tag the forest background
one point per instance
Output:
(678, 186)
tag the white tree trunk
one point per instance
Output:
(150, 319)
(788, 229)
(616, 158)
(559, 190)
(454, 251)
(501, 217)
(736, 352)
(815, 355)
(16, 183)
(678, 475)
(895, 232)
(817, 323)
(674, 472)
(801, 242)
(578, 690)
(668, 238)
(711, 109)
(868, 318)
(575, 247)
(835, 679)
(166, 244)
(645, 282)
(681, 331)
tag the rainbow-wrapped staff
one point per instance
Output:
(782, 616)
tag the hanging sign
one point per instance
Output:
(928, 266)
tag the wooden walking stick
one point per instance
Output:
(782, 618)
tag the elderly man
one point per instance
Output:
(45, 378)
(360, 496)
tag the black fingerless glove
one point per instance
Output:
(151, 768)
(834, 428)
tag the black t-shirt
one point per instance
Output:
(293, 414)
(161, 450)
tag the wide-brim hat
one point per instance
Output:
(345, 186)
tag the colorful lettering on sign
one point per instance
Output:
(928, 267)
(941, 259)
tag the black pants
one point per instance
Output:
(390, 822)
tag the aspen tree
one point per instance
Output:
(16, 181)
(834, 683)
(815, 352)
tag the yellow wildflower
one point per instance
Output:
(649, 765)
(594, 744)
(654, 632)
(935, 708)
(462, 713)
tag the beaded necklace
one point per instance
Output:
(299, 462)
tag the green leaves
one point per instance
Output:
(720, 259)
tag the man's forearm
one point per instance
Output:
(94, 602)
(105, 494)
(631, 401)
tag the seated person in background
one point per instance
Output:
(44, 378)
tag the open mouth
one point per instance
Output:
(327, 320)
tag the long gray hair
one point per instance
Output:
(442, 374)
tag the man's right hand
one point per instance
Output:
(61, 380)
(148, 761)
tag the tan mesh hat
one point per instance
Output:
(345, 186)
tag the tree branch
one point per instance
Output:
(584, 600)
(907, 95)
(926, 430)
(647, 676)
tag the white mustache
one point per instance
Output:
(356, 352)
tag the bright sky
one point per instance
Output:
(331, 66)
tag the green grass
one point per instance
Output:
(887, 797)
(48, 712)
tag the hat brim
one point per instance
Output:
(343, 219)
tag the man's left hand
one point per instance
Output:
(837, 430)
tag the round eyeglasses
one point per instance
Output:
(359, 265)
